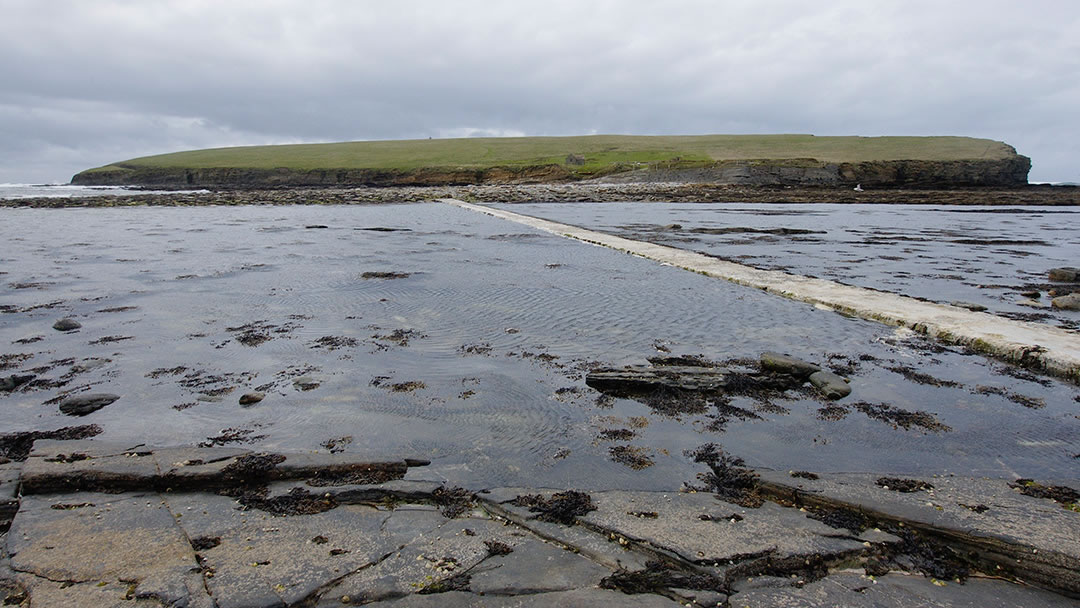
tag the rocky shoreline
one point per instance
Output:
(216, 527)
(580, 192)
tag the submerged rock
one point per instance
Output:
(1069, 302)
(786, 364)
(81, 405)
(67, 324)
(14, 381)
(831, 385)
(1065, 274)
(969, 305)
(250, 398)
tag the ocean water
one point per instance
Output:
(471, 352)
(996, 257)
(17, 191)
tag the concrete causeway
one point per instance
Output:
(1053, 350)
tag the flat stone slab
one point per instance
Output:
(127, 540)
(600, 548)
(258, 559)
(899, 591)
(9, 491)
(534, 567)
(578, 598)
(437, 552)
(86, 465)
(701, 529)
(55, 466)
(1035, 537)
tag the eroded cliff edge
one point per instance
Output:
(894, 173)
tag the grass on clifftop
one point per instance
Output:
(600, 152)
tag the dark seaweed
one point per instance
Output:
(561, 508)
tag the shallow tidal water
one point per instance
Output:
(988, 256)
(467, 343)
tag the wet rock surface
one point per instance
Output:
(81, 405)
(392, 544)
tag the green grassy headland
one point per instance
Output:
(602, 153)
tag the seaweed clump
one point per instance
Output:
(658, 576)
(452, 502)
(727, 477)
(458, 582)
(906, 486)
(931, 558)
(297, 502)
(561, 508)
(17, 446)
(1068, 497)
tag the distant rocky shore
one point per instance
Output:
(581, 192)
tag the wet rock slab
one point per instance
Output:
(93, 465)
(396, 543)
(9, 492)
(701, 529)
(894, 590)
(1031, 538)
(85, 539)
(582, 598)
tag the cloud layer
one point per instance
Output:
(86, 83)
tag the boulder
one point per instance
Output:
(67, 324)
(81, 405)
(1065, 274)
(787, 365)
(831, 385)
(1069, 302)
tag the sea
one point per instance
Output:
(17, 191)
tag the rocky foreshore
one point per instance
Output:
(218, 527)
(580, 192)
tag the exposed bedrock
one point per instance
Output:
(1006, 172)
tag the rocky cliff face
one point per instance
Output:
(879, 174)
(1007, 172)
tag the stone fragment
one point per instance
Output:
(969, 305)
(786, 364)
(1065, 274)
(251, 398)
(67, 324)
(81, 405)
(1069, 302)
(831, 385)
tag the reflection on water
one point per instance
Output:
(475, 359)
(989, 256)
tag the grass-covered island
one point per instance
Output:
(753, 160)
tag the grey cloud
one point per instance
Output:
(88, 83)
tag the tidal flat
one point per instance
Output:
(423, 330)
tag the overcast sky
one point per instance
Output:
(84, 83)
